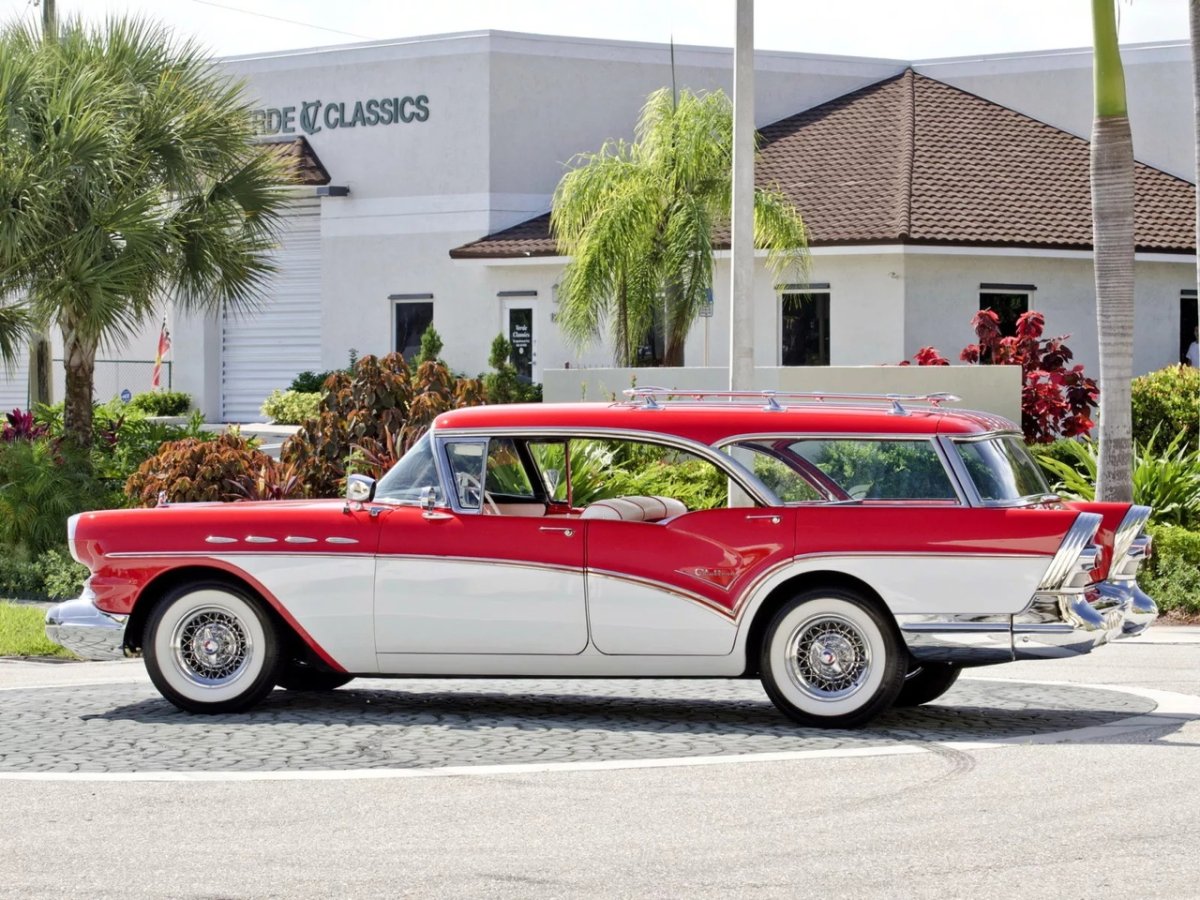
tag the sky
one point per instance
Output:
(917, 29)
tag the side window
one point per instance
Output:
(784, 480)
(466, 459)
(505, 471)
(603, 468)
(867, 469)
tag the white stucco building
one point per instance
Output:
(930, 187)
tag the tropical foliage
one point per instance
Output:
(637, 220)
(1056, 401)
(1172, 575)
(1167, 403)
(162, 403)
(128, 171)
(1168, 481)
(291, 407)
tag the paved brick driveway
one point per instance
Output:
(373, 724)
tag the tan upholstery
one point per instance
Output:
(635, 509)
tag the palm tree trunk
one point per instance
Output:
(79, 359)
(624, 354)
(676, 325)
(1194, 21)
(1112, 229)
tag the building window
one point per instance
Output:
(1189, 316)
(412, 317)
(804, 325)
(1008, 301)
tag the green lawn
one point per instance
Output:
(23, 632)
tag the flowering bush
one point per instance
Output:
(1056, 401)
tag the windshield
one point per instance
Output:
(1002, 469)
(406, 481)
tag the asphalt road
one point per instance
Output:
(1103, 811)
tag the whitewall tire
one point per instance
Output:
(832, 659)
(211, 648)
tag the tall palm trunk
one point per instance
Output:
(1112, 228)
(79, 359)
(1194, 21)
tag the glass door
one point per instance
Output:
(518, 331)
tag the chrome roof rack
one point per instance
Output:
(655, 397)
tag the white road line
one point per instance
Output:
(1171, 708)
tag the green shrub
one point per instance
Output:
(1172, 574)
(308, 382)
(19, 578)
(162, 403)
(291, 407)
(60, 577)
(1167, 481)
(1166, 403)
(42, 484)
(504, 385)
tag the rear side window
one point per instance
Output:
(1002, 469)
(865, 469)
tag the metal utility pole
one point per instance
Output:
(41, 375)
(741, 282)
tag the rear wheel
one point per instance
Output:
(211, 648)
(926, 683)
(831, 659)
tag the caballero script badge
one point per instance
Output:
(313, 116)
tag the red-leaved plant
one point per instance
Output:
(21, 427)
(1056, 401)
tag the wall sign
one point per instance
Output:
(313, 116)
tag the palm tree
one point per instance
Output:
(1112, 227)
(637, 221)
(128, 176)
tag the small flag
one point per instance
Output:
(164, 344)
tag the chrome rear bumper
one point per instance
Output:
(1055, 625)
(86, 631)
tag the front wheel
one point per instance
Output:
(831, 659)
(211, 648)
(927, 683)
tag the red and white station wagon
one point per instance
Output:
(853, 552)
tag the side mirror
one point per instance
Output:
(428, 499)
(360, 489)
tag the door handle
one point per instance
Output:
(774, 519)
(566, 532)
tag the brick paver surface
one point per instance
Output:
(404, 724)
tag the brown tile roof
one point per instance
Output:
(913, 160)
(306, 163)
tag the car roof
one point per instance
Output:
(710, 423)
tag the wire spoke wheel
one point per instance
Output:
(211, 647)
(828, 657)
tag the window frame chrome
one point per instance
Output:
(961, 496)
(950, 442)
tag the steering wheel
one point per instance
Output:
(468, 484)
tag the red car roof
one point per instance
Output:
(709, 423)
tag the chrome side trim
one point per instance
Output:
(973, 640)
(340, 540)
(217, 539)
(259, 539)
(294, 539)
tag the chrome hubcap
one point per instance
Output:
(212, 646)
(828, 657)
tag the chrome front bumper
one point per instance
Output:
(86, 631)
(1055, 625)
